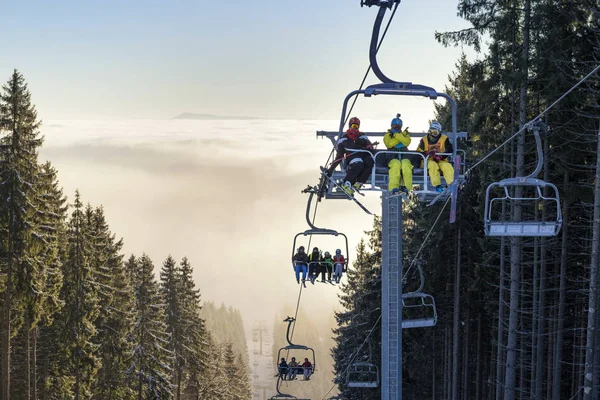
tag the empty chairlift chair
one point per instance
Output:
(418, 308)
(540, 212)
(362, 375)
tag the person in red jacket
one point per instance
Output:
(359, 164)
(339, 264)
(308, 369)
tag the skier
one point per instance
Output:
(358, 164)
(328, 266)
(339, 262)
(283, 369)
(400, 166)
(431, 145)
(292, 369)
(300, 260)
(314, 265)
(308, 369)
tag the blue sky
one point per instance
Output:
(155, 59)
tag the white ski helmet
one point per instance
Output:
(435, 126)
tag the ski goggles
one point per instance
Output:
(354, 126)
(434, 132)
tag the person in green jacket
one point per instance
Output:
(328, 263)
(400, 166)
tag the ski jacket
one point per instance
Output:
(307, 364)
(396, 140)
(328, 261)
(300, 258)
(283, 364)
(339, 259)
(315, 257)
(441, 145)
(345, 146)
(292, 364)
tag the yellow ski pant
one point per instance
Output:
(400, 170)
(434, 168)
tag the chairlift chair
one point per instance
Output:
(317, 231)
(320, 232)
(499, 224)
(419, 310)
(362, 375)
(380, 174)
(423, 305)
(292, 346)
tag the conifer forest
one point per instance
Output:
(79, 319)
(517, 316)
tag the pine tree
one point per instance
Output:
(21, 269)
(193, 352)
(237, 382)
(150, 371)
(115, 321)
(82, 303)
(170, 292)
(51, 217)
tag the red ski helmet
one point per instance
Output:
(354, 121)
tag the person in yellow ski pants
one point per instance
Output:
(432, 144)
(400, 168)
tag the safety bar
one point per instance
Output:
(424, 159)
(317, 262)
(299, 367)
(331, 135)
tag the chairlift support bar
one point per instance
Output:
(332, 135)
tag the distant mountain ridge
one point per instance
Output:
(187, 115)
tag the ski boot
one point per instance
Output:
(347, 187)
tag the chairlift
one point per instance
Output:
(515, 191)
(292, 346)
(419, 310)
(317, 231)
(363, 374)
(421, 304)
(380, 174)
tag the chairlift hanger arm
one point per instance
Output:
(536, 127)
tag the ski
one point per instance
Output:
(333, 182)
(441, 194)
